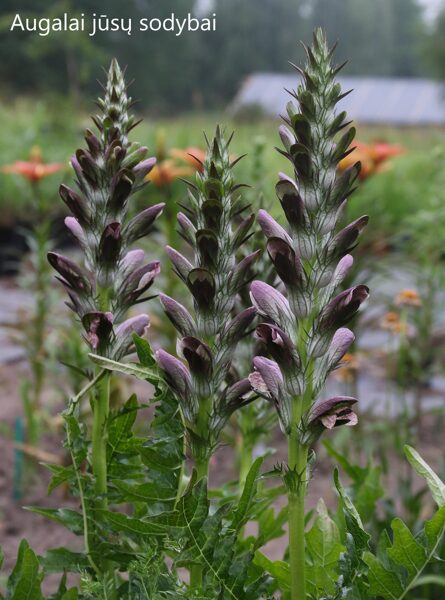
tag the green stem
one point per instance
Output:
(86, 532)
(296, 502)
(202, 469)
(99, 439)
(245, 460)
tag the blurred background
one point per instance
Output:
(185, 85)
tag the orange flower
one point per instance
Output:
(193, 156)
(391, 322)
(349, 365)
(360, 153)
(182, 163)
(408, 298)
(167, 171)
(34, 169)
(372, 156)
(381, 151)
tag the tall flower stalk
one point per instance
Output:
(112, 277)
(212, 226)
(304, 331)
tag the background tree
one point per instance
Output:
(205, 69)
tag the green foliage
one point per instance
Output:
(366, 488)
(26, 578)
(212, 541)
(323, 548)
(422, 468)
(399, 560)
(406, 558)
(156, 521)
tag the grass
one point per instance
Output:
(50, 124)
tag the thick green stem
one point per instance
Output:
(296, 497)
(99, 441)
(202, 469)
(101, 409)
(201, 460)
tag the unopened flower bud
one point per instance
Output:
(110, 245)
(71, 273)
(178, 315)
(75, 203)
(124, 334)
(287, 265)
(76, 229)
(141, 224)
(292, 203)
(270, 303)
(236, 328)
(202, 285)
(198, 355)
(271, 228)
(181, 264)
(178, 375)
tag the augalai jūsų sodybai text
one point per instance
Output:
(94, 24)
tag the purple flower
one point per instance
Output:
(286, 263)
(136, 324)
(99, 327)
(110, 244)
(235, 397)
(188, 230)
(76, 204)
(178, 315)
(138, 282)
(79, 174)
(270, 303)
(76, 229)
(342, 308)
(87, 166)
(178, 376)
(341, 342)
(271, 228)
(72, 275)
(330, 413)
(93, 143)
(198, 355)
(181, 264)
(278, 344)
(132, 261)
(141, 224)
(342, 270)
(287, 137)
(238, 390)
(124, 333)
(270, 381)
(121, 188)
(236, 328)
(346, 239)
(143, 168)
